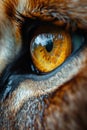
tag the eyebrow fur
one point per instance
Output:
(63, 10)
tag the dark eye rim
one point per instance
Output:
(11, 70)
(48, 74)
(29, 33)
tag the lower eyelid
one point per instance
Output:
(65, 73)
(31, 88)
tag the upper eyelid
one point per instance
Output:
(54, 21)
(73, 24)
(66, 11)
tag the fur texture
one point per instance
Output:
(60, 102)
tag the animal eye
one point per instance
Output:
(50, 56)
(50, 50)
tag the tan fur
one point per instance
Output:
(53, 104)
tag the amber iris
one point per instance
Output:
(50, 50)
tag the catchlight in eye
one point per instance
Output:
(50, 50)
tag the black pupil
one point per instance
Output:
(49, 46)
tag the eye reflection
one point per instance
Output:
(49, 50)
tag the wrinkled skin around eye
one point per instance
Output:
(66, 108)
(27, 107)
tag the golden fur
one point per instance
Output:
(44, 105)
